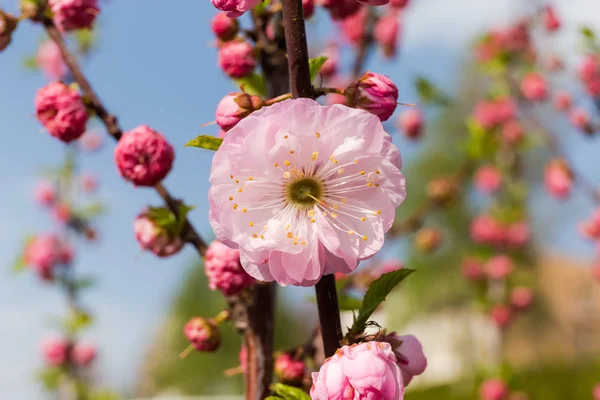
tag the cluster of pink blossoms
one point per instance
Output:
(58, 352)
(224, 270)
(487, 230)
(558, 178)
(69, 15)
(155, 238)
(45, 253)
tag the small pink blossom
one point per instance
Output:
(488, 179)
(308, 8)
(386, 32)
(236, 58)
(89, 182)
(562, 101)
(580, 119)
(353, 26)
(493, 389)
(492, 113)
(50, 61)
(152, 237)
(143, 156)
(554, 63)
(305, 190)
(55, 351)
(91, 141)
(288, 369)
(330, 67)
(84, 354)
(224, 270)
(409, 355)
(499, 267)
(235, 106)
(501, 315)
(411, 122)
(551, 21)
(512, 132)
(203, 334)
(521, 297)
(486, 230)
(472, 269)
(399, 4)
(590, 228)
(223, 27)
(61, 110)
(361, 371)
(45, 193)
(589, 73)
(428, 239)
(44, 253)
(70, 15)
(534, 87)
(375, 93)
(235, 8)
(558, 178)
(342, 9)
(62, 213)
(518, 234)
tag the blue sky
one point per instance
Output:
(156, 66)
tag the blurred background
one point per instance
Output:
(155, 63)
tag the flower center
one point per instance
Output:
(304, 192)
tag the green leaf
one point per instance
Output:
(205, 142)
(78, 321)
(347, 303)
(50, 378)
(19, 265)
(429, 93)
(289, 392)
(182, 213)
(85, 39)
(31, 63)
(376, 295)
(315, 65)
(588, 33)
(91, 210)
(252, 84)
(84, 283)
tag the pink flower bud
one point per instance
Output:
(158, 239)
(364, 370)
(411, 122)
(493, 389)
(375, 93)
(409, 355)
(61, 111)
(590, 228)
(55, 351)
(386, 33)
(501, 315)
(203, 334)
(554, 63)
(472, 269)
(488, 179)
(45, 193)
(235, 106)
(44, 253)
(223, 27)
(486, 230)
(89, 183)
(580, 119)
(428, 239)
(50, 60)
(308, 8)
(341, 9)
(69, 15)
(353, 26)
(589, 68)
(62, 213)
(521, 297)
(562, 101)
(289, 370)
(235, 8)
(84, 354)
(499, 267)
(512, 132)
(518, 234)
(91, 141)
(399, 4)
(224, 270)
(534, 87)
(143, 156)
(236, 58)
(492, 113)
(551, 21)
(441, 190)
(330, 67)
(558, 178)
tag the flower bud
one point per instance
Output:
(235, 106)
(353, 26)
(46, 252)
(518, 234)
(501, 315)
(308, 8)
(428, 239)
(203, 334)
(441, 191)
(409, 355)
(551, 21)
(512, 132)
(84, 354)
(289, 370)
(521, 297)
(236, 58)
(62, 213)
(493, 389)
(224, 28)
(224, 270)
(590, 229)
(159, 239)
(8, 24)
(91, 141)
(55, 351)
(399, 4)
(143, 156)
(492, 113)
(341, 9)
(580, 119)
(488, 179)
(534, 87)
(45, 193)
(558, 178)
(386, 33)
(235, 8)
(472, 269)
(50, 61)
(61, 111)
(330, 67)
(499, 267)
(375, 93)
(69, 15)
(486, 230)
(562, 101)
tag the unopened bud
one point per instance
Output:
(235, 106)
(203, 334)
(428, 239)
(441, 191)
(289, 370)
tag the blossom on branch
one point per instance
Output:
(69, 15)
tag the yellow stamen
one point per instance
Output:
(285, 137)
(244, 210)
(287, 163)
(235, 206)
(276, 165)
(240, 190)
(254, 235)
(250, 178)
(377, 172)
(291, 151)
(250, 223)
(363, 219)
(317, 134)
(237, 181)
(365, 238)
(341, 171)
(290, 235)
(230, 198)
(315, 155)
(362, 172)
(350, 232)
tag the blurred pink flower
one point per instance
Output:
(84, 353)
(558, 178)
(55, 351)
(70, 15)
(353, 26)
(534, 87)
(580, 119)
(486, 230)
(288, 369)
(562, 101)
(308, 8)
(488, 179)
(492, 113)
(518, 234)
(235, 8)
(50, 61)
(45, 193)
(203, 334)
(154, 238)
(493, 389)
(399, 4)
(411, 122)
(305, 190)
(342, 9)
(386, 32)
(223, 27)
(89, 182)
(62, 213)
(61, 111)
(224, 270)
(472, 269)
(596, 392)
(44, 253)
(521, 297)
(91, 141)
(499, 267)
(551, 21)
(330, 67)
(512, 132)
(501, 315)
(590, 228)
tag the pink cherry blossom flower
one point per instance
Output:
(288, 369)
(61, 110)
(590, 228)
(554, 63)
(521, 297)
(488, 179)
(499, 267)
(89, 182)
(551, 21)
(512, 132)
(235, 106)
(55, 351)
(154, 238)
(501, 315)
(386, 32)
(235, 8)
(330, 67)
(203, 334)
(84, 354)
(224, 270)
(45, 193)
(589, 68)
(518, 234)
(411, 122)
(223, 27)
(91, 141)
(361, 371)
(353, 26)
(341, 9)
(493, 389)
(50, 61)
(62, 213)
(534, 87)
(69, 15)
(308, 8)
(580, 119)
(492, 113)
(472, 269)
(44, 253)
(236, 58)
(409, 354)
(558, 178)
(375, 93)
(562, 101)
(143, 156)
(305, 190)
(486, 230)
